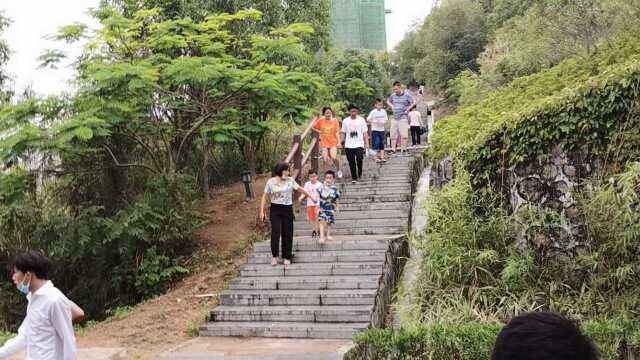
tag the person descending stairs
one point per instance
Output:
(330, 290)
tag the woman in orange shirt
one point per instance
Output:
(329, 129)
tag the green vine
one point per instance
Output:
(583, 104)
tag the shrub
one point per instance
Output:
(100, 262)
(472, 341)
(472, 272)
(583, 103)
(475, 341)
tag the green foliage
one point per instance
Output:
(474, 341)
(5, 95)
(119, 165)
(155, 271)
(140, 248)
(405, 57)
(14, 185)
(449, 42)
(583, 103)
(439, 341)
(119, 313)
(467, 88)
(471, 272)
(357, 77)
(277, 13)
(4, 336)
(543, 35)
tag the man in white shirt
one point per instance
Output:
(378, 119)
(46, 332)
(356, 139)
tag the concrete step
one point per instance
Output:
(283, 329)
(305, 282)
(377, 178)
(396, 221)
(311, 269)
(325, 256)
(317, 314)
(390, 205)
(389, 230)
(298, 297)
(376, 243)
(351, 214)
(392, 188)
(351, 199)
(373, 183)
(376, 192)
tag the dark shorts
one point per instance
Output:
(378, 140)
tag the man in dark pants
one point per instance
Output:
(356, 140)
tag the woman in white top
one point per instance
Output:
(280, 189)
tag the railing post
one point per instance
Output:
(297, 157)
(315, 153)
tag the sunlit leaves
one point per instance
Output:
(71, 33)
(198, 71)
(51, 58)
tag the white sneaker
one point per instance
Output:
(339, 174)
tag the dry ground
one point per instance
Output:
(162, 323)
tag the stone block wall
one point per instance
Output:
(547, 191)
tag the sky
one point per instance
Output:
(34, 20)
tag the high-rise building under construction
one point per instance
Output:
(359, 24)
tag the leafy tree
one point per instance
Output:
(450, 41)
(357, 76)
(276, 13)
(4, 58)
(121, 158)
(405, 57)
(545, 34)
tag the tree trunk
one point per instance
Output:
(204, 171)
(250, 156)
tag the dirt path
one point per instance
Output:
(168, 320)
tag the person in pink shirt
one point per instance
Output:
(415, 125)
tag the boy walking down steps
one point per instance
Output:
(313, 202)
(329, 195)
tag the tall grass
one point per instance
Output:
(473, 277)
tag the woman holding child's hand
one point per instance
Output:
(280, 189)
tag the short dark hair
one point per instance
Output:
(280, 167)
(324, 109)
(313, 172)
(353, 107)
(543, 335)
(378, 100)
(397, 83)
(34, 262)
(330, 172)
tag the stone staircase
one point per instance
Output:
(330, 291)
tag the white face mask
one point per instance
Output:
(25, 289)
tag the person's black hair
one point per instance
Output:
(396, 83)
(312, 172)
(324, 109)
(34, 262)
(378, 100)
(352, 107)
(543, 336)
(330, 172)
(279, 168)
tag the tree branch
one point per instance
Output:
(118, 164)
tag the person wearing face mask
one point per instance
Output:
(46, 333)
